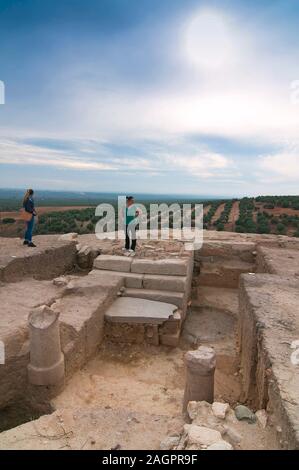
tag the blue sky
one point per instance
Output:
(164, 96)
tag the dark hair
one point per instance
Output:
(27, 195)
(129, 198)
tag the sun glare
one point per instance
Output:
(208, 41)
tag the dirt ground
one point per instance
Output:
(149, 384)
(42, 210)
(206, 209)
(233, 217)
(278, 210)
(217, 213)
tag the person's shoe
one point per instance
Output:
(124, 249)
(126, 253)
(132, 253)
(25, 242)
(32, 245)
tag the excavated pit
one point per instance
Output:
(136, 390)
(20, 413)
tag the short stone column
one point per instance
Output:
(46, 365)
(200, 369)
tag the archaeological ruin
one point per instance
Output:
(171, 349)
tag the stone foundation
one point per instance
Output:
(262, 271)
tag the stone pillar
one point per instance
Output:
(200, 369)
(46, 365)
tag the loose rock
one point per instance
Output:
(262, 418)
(220, 445)
(61, 281)
(200, 435)
(233, 435)
(245, 414)
(220, 409)
(68, 237)
(169, 443)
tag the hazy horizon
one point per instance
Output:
(136, 194)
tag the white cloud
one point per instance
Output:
(183, 158)
(22, 154)
(203, 165)
(283, 166)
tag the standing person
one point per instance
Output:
(130, 226)
(28, 205)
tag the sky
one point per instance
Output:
(153, 96)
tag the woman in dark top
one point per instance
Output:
(28, 205)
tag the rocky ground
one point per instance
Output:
(130, 397)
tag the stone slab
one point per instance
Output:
(132, 310)
(86, 285)
(175, 298)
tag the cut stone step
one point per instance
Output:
(147, 281)
(169, 283)
(133, 280)
(172, 267)
(113, 263)
(175, 298)
(220, 298)
(136, 310)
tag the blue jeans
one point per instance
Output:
(29, 230)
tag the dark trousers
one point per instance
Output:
(130, 239)
(29, 230)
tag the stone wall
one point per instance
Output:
(51, 258)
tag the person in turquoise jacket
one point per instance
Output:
(130, 229)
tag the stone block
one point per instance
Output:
(172, 325)
(170, 339)
(170, 283)
(172, 267)
(113, 263)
